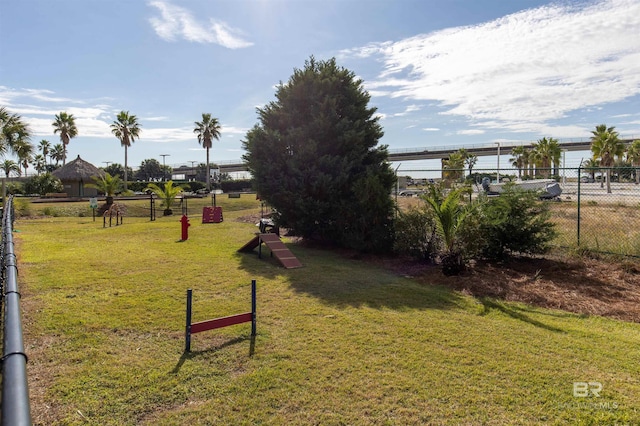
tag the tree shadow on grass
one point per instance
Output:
(514, 312)
(387, 291)
(344, 281)
(198, 353)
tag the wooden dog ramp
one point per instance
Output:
(278, 249)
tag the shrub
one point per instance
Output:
(15, 188)
(21, 207)
(195, 185)
(51, 211)
(235, 185)
(516, 222)
(416, 234)
(43, 184)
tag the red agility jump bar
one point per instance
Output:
(219, 322)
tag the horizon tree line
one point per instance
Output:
(541, 159)
(16, 135)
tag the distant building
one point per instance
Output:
(75, 175)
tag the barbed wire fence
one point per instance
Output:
(590, 214)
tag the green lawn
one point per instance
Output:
(340, 341)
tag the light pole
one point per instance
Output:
(498, 173)
(193, 169)
(164, 167)
(107, 163)
(564, 175)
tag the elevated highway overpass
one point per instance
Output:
(434, 153)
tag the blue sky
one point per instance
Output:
(441, 73)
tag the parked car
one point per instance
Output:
(410, 193)
(587, 179)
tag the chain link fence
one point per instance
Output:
(598, 209)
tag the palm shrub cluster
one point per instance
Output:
(453, 230)
(167, 195)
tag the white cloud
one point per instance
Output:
(470, 132)
(160, 118)
(431, 129)
(521, 71)
(176, 22)
(409, 109)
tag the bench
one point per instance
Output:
(234, 195)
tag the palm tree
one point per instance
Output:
(517, 160)
(450, 214)
(453, 167)
(555, 153)
(591, 166)
(548, 152)
(10, 166)
(24, 151)
(58, 152)
(13, 131)
(167, 195)
(126, 128)
(207, 130)
(65, 125)
(107, 184)
(39, 163)
(633, 156)
(45, 147)
(470, 160)
(606, 146)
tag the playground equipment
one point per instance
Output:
(115, 209)
(277, 247)
(213, 213)
(219, 322)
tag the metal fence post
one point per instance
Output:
(187, 333)
(579, 180)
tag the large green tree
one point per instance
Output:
(207, 130)
(65, 124)
(606, 146)
(150, 169)
(315, 159)
(127, 129)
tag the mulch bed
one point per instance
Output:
(609, 288)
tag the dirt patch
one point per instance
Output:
(584, 286)
(252, 218)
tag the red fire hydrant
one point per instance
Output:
(185, 227)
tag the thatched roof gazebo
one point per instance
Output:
(75, 174)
